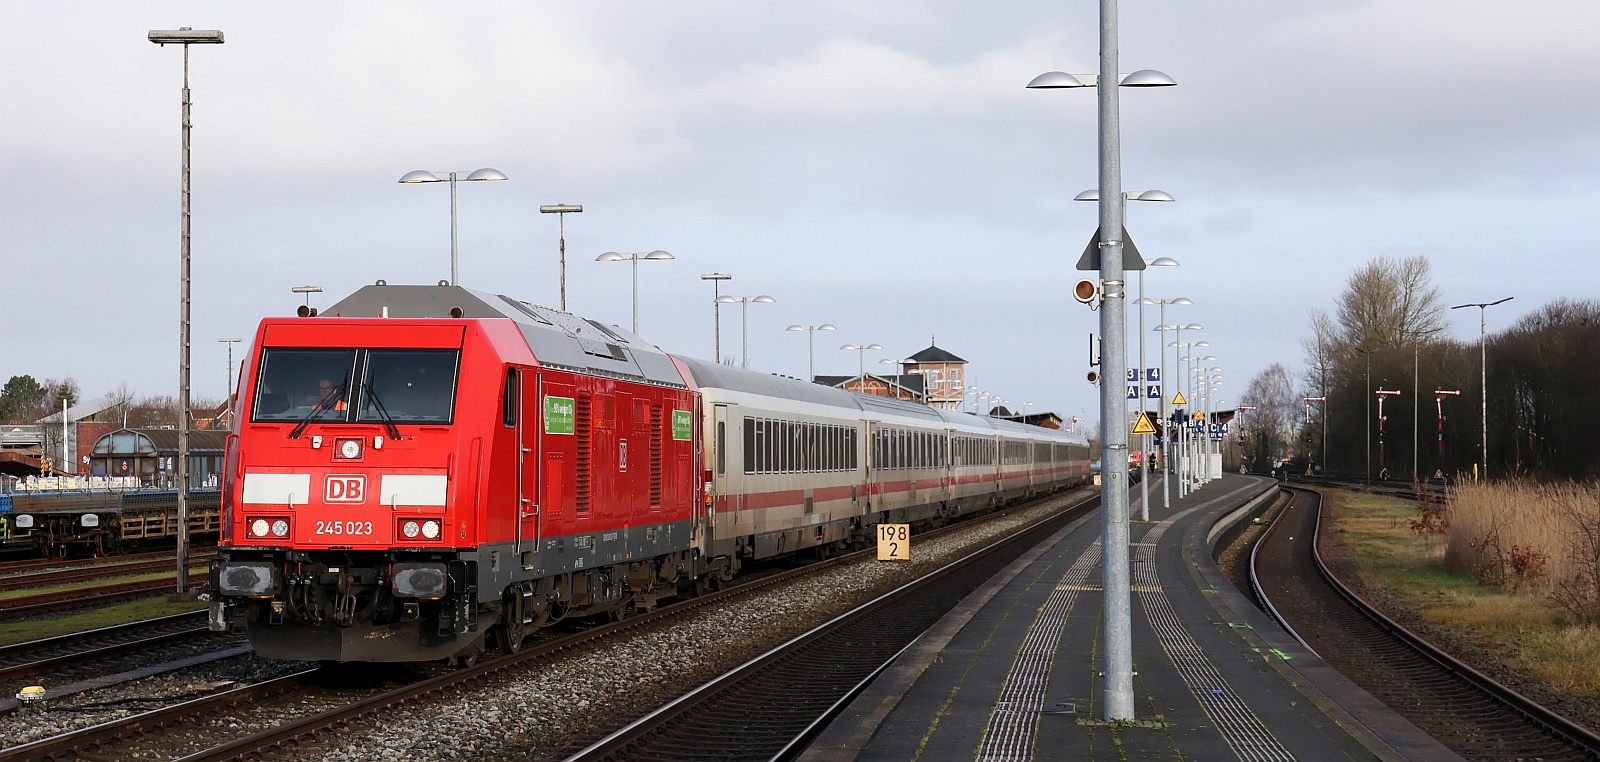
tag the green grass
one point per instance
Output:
(121, 613)
(1525, 628)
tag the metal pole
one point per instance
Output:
(635, 257)
(744, 333)
(1416, 386)
(1166, 439)
(1483, 383)
(716, 317)
(1368, 353)
(811, 355)
(561, 224)
(1144, 387)
(1118, 629)
(183, 351)
(454, 274)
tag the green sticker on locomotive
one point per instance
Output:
(560, 415)
(682, 425)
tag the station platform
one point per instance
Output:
(1012, 673)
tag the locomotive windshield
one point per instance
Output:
(408, 385)
(396, 385)
(297, 382)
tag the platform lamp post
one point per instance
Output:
(1183, 431)
(1483, 371)
(1166, 439)
(634, 257)
(561, 211)
(184, 36)
(861, 360)
(744, 309)
(972, 391)
(811, 346)
(1142, 379)
(424, 176)
(716, 310)
(1197, 375)
(1118, 632)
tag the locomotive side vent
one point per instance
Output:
(584, 458)
(655, 456)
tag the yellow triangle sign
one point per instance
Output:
(1179, 400)
(1143, 425)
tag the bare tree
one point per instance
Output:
(1387, 298)
(121, 399)
(1270, 428)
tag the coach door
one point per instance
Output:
(717, 487)
(529, 459)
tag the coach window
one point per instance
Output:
(749, 445)
(722, 447)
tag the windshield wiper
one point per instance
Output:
(388, 422)
(311, 417)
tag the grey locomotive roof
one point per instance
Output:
(558, 339)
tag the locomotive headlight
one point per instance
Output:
(280, 528)
(259, 528)
(410, 529)
(349, 449)
(430, 529)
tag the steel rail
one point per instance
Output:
(1512, 701)
(29, 605)
(686, 705)
(16, 662)
(291, 733)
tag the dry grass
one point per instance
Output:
(1534, 517)
(1524, 627)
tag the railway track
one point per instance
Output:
(1475, 716)
(219, 727)
(52, 577)
(798, 687)
(76, 662)
(82, 597)
(9, 568)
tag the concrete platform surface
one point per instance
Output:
(1012, 673)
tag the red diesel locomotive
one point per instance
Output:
(423, 468)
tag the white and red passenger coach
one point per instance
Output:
(423, 471)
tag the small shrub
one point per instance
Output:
(1510, 568)
(1432, 517)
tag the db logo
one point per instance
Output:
(346, 489)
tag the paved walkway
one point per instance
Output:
(1012, 673)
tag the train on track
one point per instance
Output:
(423, 472)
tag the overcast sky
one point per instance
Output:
(878, 166)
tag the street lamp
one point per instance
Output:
(1166, 441)
(561, 211)
(1142, 378)
(308, 291)
(811, 346)
(861, 360)
(744, 302)
(1117, 586)
(634, 257)
(183, 36)
(716, 310)
(1483, 370)
(424, 176)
